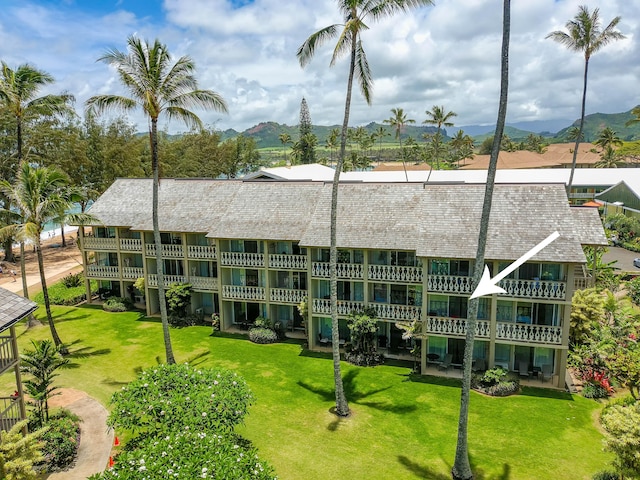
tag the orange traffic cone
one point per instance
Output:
(116, 442)
(110, 462)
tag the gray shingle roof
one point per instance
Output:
(589, 226)
(13, 308)
(435, 220)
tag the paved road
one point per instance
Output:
(623, 257)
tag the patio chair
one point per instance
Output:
(446, 363)
(479, 365)
(523, 369)
(546, 372)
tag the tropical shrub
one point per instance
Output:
(178, 297)
(73, 280)
(362, 350)
(606, 475)
(60, 441)
(59, 294)
(496, 382)
(262, 322)
(190, 455)
(594, 390)
(171, 397)
(263, 335)
(621, 420)
(187, 320)
(117, 304)
(19, 453)
(633, 289)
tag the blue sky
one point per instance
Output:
(446, 55)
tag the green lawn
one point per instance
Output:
(401, 427)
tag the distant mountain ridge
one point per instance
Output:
(267, 134)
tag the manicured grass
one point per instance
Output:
(402, 427)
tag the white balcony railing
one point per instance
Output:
(131, 244)
(7, 358)
(397, 312)
(345, 307)
(132, 273)
(201, 251)
(527, 333)
(449, 284)
(456, 326)
(343, 270)
(242, 259)
(288, 262)
(242, 292)
(9, 412)
(96, 243)
(102, 271)
(287, 295)
(544, 289)
(168, 279)
(168, 251)
(393, 273)
(204, 283)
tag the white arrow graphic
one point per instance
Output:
(487, 285)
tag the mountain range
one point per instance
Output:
(267, 134)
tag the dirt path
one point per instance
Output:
(95, 438)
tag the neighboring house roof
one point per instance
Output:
(13, 308)
(435, 220)
(602, 177)
(627, 192)
(555, 155)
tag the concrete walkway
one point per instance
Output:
(96, 439)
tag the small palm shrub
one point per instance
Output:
(72, 280)
(263, 335)
(117, 304)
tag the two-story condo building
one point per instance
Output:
(407, 250)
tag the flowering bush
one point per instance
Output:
(171, 397)
(189, 455)
(263, 335)
(60, 441)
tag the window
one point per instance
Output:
(398, 294)
(438, 346)
(504, 312)
(405, 259)
(380, 292)
(439, 267)
(438, 305)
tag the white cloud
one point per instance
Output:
(446, 55)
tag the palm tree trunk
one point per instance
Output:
(158, 243)
(404, 164)
(23, 272)
(342, 406)
(461, 468)
(577, 145)
(438, 159)
(47, 304)
(64, 243)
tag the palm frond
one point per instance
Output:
(201, 99)
(307, 49)
(377, 9)
(106, 103)
(363, 73)
(186, 116)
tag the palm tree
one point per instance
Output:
(332, 142)
(18, 95)
(398, 121)
(354, 13)
(461, 467)
(609, 158)
(586, 36)
(156, 86)
(380, 133)
(439, 116)
(39, 195)
(461, 146)
(608, 138)
(285, 139)
(41, 363)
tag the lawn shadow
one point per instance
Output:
(432, 380)
(423, 471)
(313, 354)
(357, 397)
(197, 358)
(83, 352)
(545, 393)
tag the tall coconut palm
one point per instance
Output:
(332, 142)
(19, 96)
(461, 467)
(39, 195)
(157, 86)
(285, 139)
(608, 138)
(380, 133)
(439, 116)
(398, 121)
(354, 13)
(585, 35)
